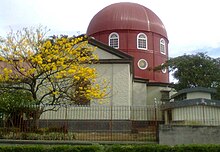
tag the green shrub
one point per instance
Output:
(196, 148)
(22, 149)
(152, 148)
(41, 131)
(112, 148)
(24, 136)
(138, 148)
(162, 148)
(120, 148)
(61, 129)
(9, 129)
(65, 148)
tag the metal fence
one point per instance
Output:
(90, 123)
(101, 123)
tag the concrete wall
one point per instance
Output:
(197, 115)
(155, 92)
(149, 113)
(139, 94)
(193, 95)
(104, 55)
(88, 113)
(119, 81)
(174, 135)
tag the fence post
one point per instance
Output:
(65, 129)
(155, 120)
(111, 123)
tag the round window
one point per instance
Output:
(164, 70)
(142, 64)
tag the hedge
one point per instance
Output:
(110, 148)
(84, 148)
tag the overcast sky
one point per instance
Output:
(192, 25)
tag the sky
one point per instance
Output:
(192, 25)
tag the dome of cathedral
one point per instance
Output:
(126, 16)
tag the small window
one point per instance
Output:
(142, 64)
(162, 46)
(142, 41)
(164, 70)
(114, 40)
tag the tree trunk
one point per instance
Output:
(36, 116)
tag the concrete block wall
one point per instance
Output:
(176, 135)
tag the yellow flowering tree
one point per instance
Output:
(55, 70)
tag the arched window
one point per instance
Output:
(114, 40)
(142, 41)
(162, 46)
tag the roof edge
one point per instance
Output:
(195, 89)
(109, 49)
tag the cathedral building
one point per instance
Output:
(131, 41)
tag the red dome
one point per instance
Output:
(126, 16)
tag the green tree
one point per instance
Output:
(14, 107)
(194, 70)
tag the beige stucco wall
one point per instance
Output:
(144, 99)
(89, 113)
(119, 88)
(149, 113)
(142, 108)
(193, 95)
(105, 55)
(114, 106)
(139, 94)
(154, 93)
(119, 81)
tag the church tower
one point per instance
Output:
(137, 31)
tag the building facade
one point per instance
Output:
(192, 106)
(130, 41)
(138, 32)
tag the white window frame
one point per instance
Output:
(162, 46)
(140, 41)
(113, 41)
(164, 70)
(139, 64)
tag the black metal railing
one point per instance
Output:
(88, 123)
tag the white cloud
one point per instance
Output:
(190, 24)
